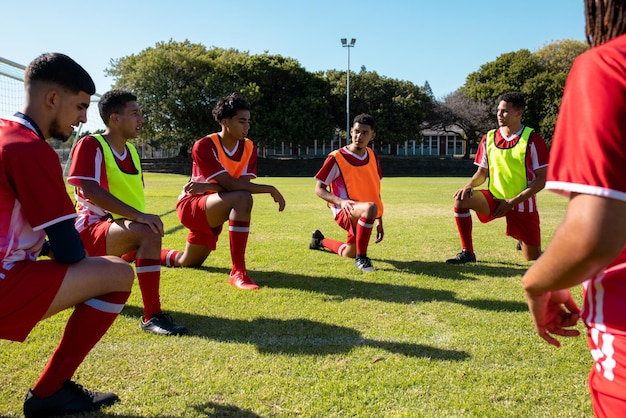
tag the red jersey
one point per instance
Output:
(88, 164)
(589, 156)
(537, 156)
(32, 192)
(207, 164)
(330, 174)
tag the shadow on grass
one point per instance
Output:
(212, 409)
(458, 272)
(295, 336)
(348, 289)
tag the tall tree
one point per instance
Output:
(174, 84)
(179, 83)
(540, 76)
(428, 91)
(398, 106)
(460, 112)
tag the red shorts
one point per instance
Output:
(343, 220)
(191, 212)
(94, 238)
(523, 226)
(607, 380)
(26, 293)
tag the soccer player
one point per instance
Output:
(34, 204)
(588, 166)
(349, 181)
(220, 190)
(515, 160)
(106, 171)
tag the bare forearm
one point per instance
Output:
(478, 178)
(527, 193)
(533, 188)
(233, 184)
(322, 192)
(591, 236)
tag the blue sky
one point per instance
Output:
(416, 40)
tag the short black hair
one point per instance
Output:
(365, 119)
(59, 69)
(515, 98)
(114, 101)
(228, 106)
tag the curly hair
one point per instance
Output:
(365, 119)
(228, 106)
(515, 98)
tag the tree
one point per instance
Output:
(428, 91)
(289, 103)
(178, 84)
(174, 83)
(540, 76)
(558, 57)
(398, 106)
(471, 116)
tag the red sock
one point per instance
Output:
(149, 278)
(463, 219)
(238, 232)
(335, 246)
(86, 326)
(168, 257)
(363, 233)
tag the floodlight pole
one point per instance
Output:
(344, 43)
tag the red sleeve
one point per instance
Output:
(40, 188)
(325, 171)
(588, 152)
(87, 162)
(481, 152)
(205, 162)
(543, 155)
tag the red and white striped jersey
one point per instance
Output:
(32, 192)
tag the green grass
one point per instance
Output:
(320, 339)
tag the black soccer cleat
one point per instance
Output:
(163, 324)
(316, 240)
(364, 264)
(463, 257)
(72, 398)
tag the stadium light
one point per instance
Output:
(344, 43)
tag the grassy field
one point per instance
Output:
(417, 338)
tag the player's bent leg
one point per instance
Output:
(125, 236)
(530, 252)
(478, 203)
(349, 251)
(235, 205)
(463, 218)
(193, 256)
(241, 202)
(89, 278)
(100, 287)
(365, 210)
